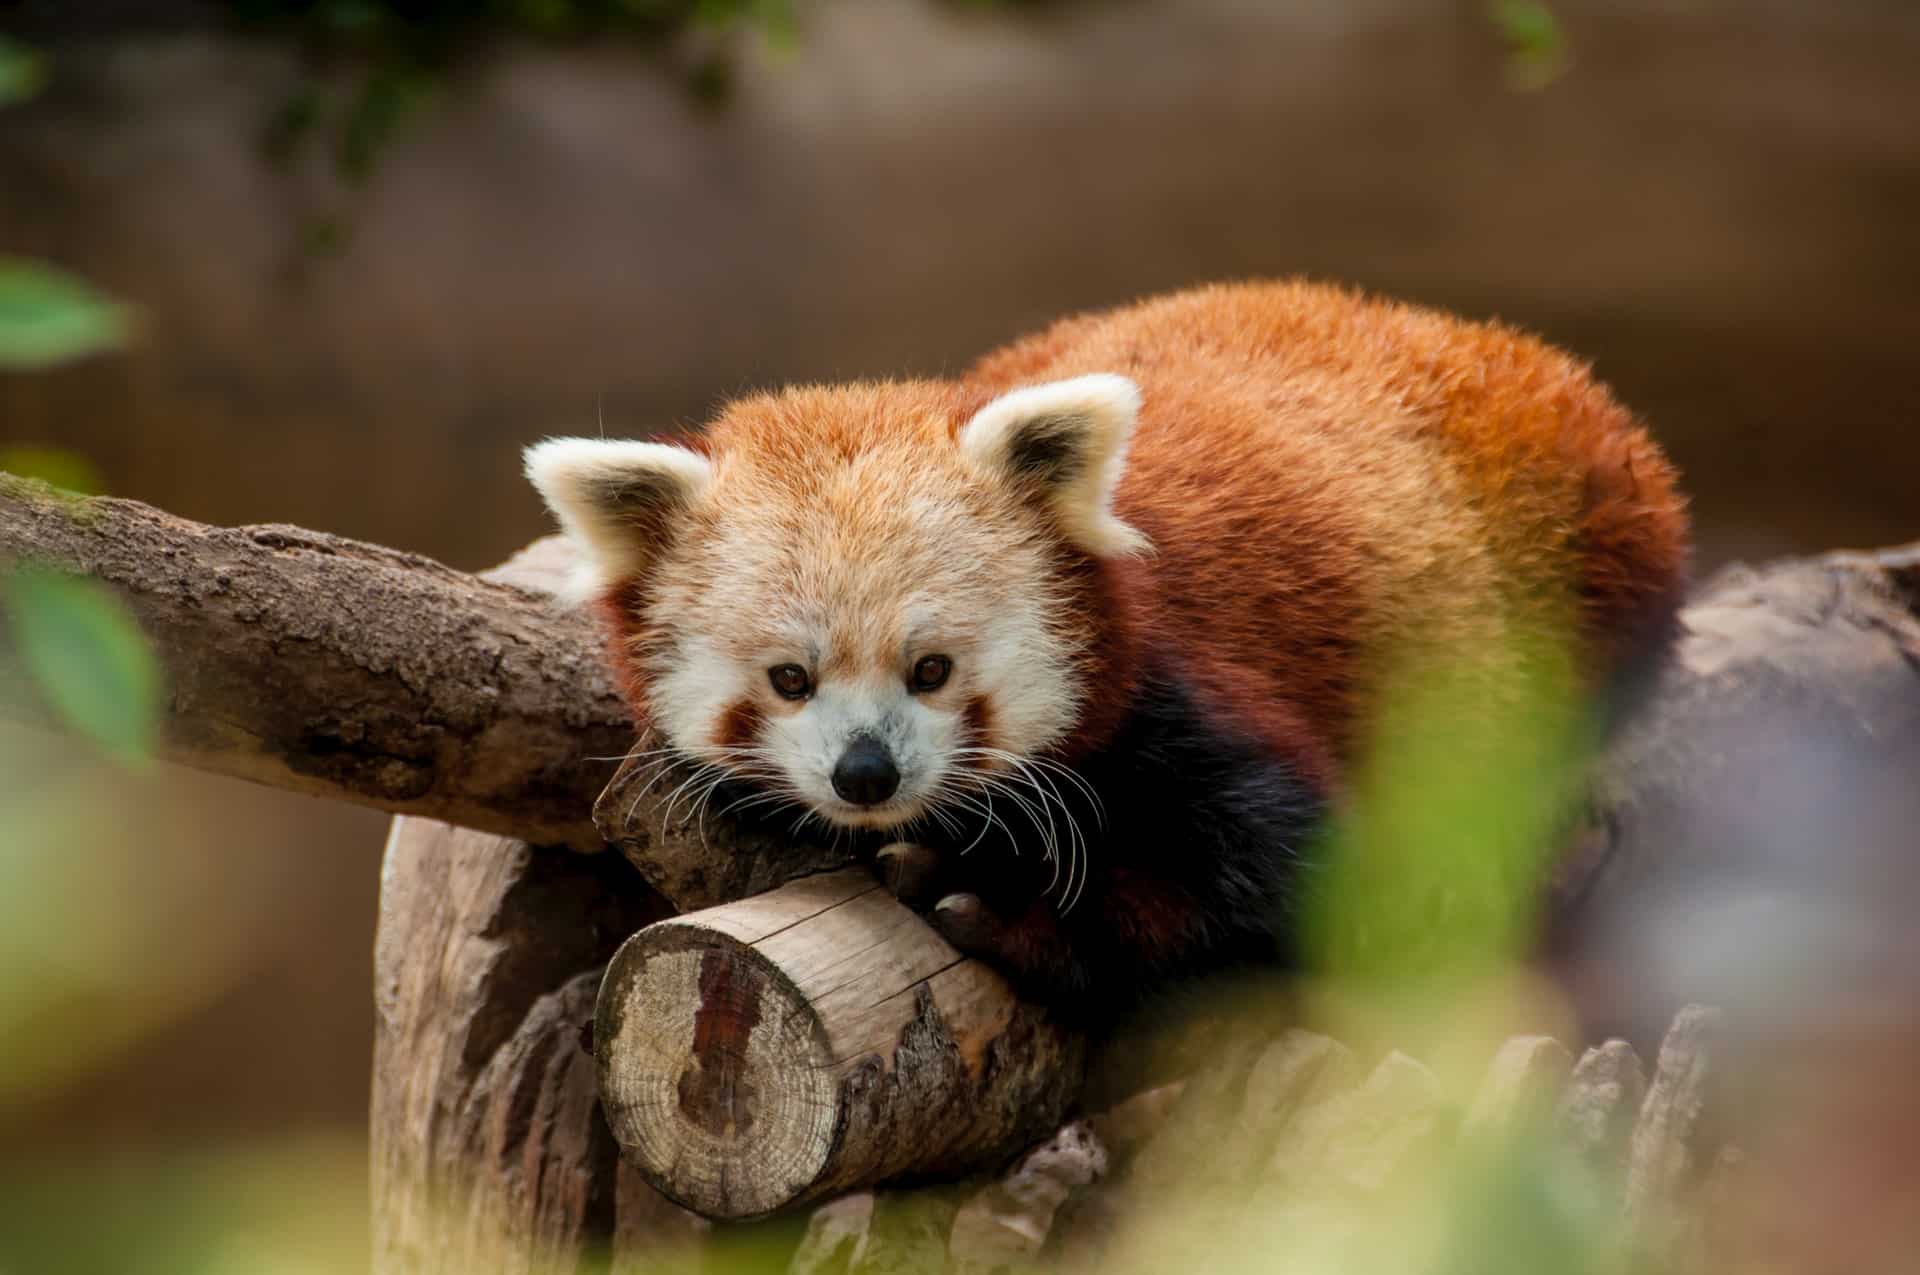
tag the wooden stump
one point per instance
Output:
(814, 1040)
(489, 1149)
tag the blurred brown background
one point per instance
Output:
(1716, 202)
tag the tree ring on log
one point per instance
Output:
(723, 1092)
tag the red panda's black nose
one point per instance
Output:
(866, 775)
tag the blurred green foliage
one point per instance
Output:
(1535, 41)
(48, 317)
(1518, 1202)
(86, 654)
(23, 71)
(1434, 870)
(1458, 1201)
(400, 52)
(89, 960)
(295, 1206)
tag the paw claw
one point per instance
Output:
(965, 921)
(907, 870)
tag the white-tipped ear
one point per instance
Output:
(620, 502)
(1066, 441)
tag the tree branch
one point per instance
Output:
(326, 666)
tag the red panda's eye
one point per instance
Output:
(790, 680)
(930, 674)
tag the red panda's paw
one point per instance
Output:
(1030, 948)
(1026, 946)
(967, 923)
(911, 872)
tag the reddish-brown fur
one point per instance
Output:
(1266, 539)
(979, 718)
(739, 725)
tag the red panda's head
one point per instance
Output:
(856, 596)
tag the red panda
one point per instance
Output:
(1099, 624)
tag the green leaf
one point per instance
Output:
(85, 652)
(23, 71)
(1536, 43)
(48, 317)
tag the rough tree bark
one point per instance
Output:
(326, 666)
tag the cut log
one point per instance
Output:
(345, 670)
(489, 1151)
(814, 1040)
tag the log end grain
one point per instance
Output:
(716, 1074)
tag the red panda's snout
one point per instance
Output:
(865, 774)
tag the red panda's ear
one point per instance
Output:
(620, 502)
(1066, 442)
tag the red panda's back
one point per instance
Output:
(1327, 478)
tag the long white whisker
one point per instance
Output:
(749, 802)
(1039, 813)
(999, 783)
(700, 806)
(1074, 847)
(633, 754)
(663, 767)
(1048, 766)
(1077, 849)
(666, 811)
(945, 821)
(988, 819)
